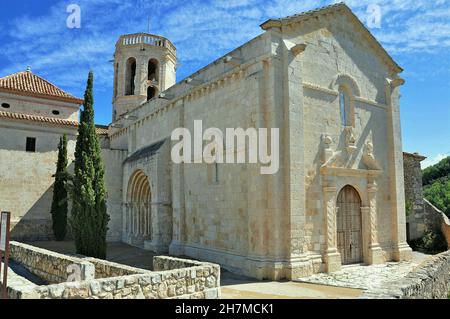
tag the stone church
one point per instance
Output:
(319, 76)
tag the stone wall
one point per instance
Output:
(49, 266)
(436, 219)
(26, 181)
(414, 195)
(429, 280)
(40, 107)
(106, 269)
(174, 278)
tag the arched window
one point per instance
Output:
(345, 107)
(130, 76)
(151, 92)
(152, 71)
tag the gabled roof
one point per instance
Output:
(27, 83)
(338, 7)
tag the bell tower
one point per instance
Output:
(144, 66)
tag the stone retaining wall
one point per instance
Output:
(173, 278)
(106, 269)
(48, 265)
(437, 220)
(429, 280)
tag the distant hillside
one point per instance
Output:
(437, 171)
(436, 181)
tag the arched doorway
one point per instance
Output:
(349, 226)
(138, 216)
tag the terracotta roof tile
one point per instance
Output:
(37, 118)
(28, 83)
(101, 129)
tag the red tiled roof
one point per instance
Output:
(27, 83)
(99, 129)
(37, 118)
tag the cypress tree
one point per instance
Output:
(89, 217)
(60, 203)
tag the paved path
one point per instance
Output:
(20, 277)
(240, 287)
(372, 278)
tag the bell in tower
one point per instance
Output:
(144, 66)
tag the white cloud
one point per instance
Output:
(434, 160)
(202, 31)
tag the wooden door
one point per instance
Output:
(349, 235)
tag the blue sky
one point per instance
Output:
(415, 32)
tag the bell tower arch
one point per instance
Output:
(144, 66)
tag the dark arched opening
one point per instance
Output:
(152, 71)
(130, 76)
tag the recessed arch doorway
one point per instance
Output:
(349, 226)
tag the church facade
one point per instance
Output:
(337, 198)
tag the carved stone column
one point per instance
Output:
(127, 218)
(146, 221)
(332, 256)
(375, 254)
(135, 215)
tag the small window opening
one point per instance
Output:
(6, 105)
(31, 144)
(344, 105)
(55, 112)
(151, 92)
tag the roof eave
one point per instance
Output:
(73, 100)
(271, 23)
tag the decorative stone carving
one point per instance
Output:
(332, 256)
(375, 252)
(310, 177)
(330, 158)
(350, 140)
(369, 159)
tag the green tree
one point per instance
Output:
(89, 217)
(436, 181)
(437, 171)
(60, 201)
(438, 193)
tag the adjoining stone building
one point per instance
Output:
(34, 114)
(421, 215)
(338, 196)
